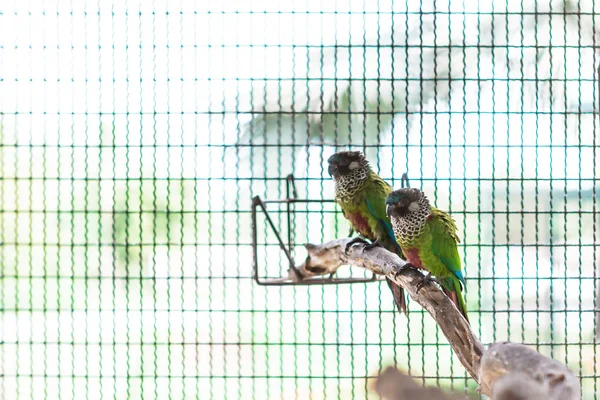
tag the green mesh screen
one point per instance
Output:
(134, 134)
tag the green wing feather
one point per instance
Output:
(444, 242)
(372, 207)
(444, 246)
(375, 202)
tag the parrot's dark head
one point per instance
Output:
(404, 202)
(347, 163)
(408, 210)
(350, 171)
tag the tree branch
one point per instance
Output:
(507, 370)
(330, 256)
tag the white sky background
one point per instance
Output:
(61, 68)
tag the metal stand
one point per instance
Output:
(292, 198)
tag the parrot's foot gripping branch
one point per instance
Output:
(353, 241)
(402, 268)
(367, 245)
(422, 281)
(376, 243)
(418, 282)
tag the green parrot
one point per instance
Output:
(428, 239)
(361, 194)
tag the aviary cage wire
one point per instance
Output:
(134, 134)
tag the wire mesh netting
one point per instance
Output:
(134, 134)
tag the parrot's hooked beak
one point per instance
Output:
(397, 210)
(332, 169)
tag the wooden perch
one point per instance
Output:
(330, 256)
(320, 261)
(505, 371)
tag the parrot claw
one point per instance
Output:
(357, 239)
(374, 244)
(402, 268)
(421, 282)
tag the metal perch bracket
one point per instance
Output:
(292, 198)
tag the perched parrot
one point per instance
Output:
(428, 239)
(361, 194)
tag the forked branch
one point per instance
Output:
(553, 379)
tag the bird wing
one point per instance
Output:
(444, 242)
(375, 201)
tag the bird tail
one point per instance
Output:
(397, 291)
(399, 297)
(456, 296)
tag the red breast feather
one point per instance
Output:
(413, 257)
(361, 225)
